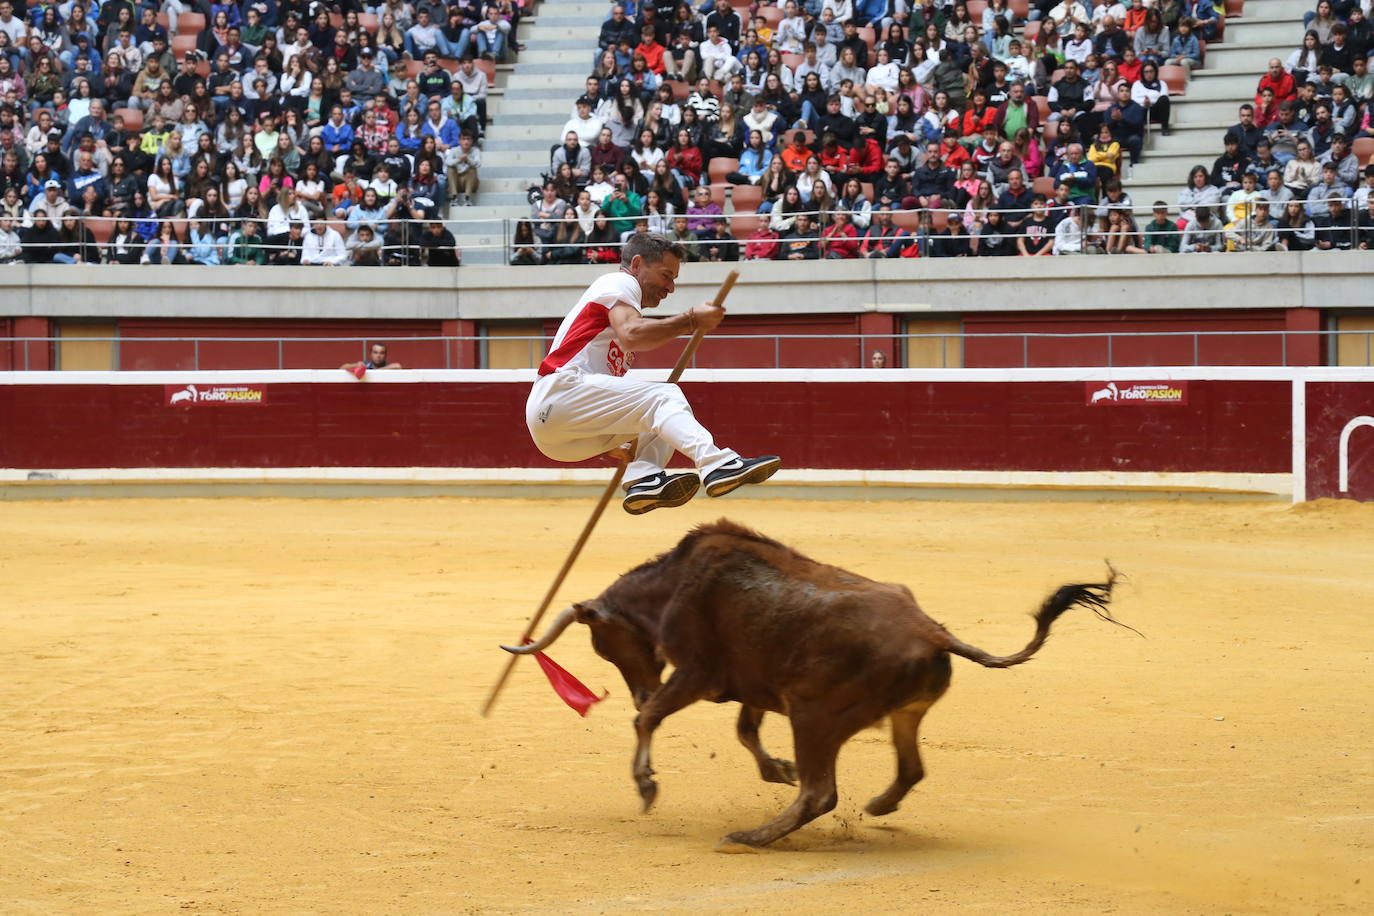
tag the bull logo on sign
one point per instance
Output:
(1106, 394)
(186, 394)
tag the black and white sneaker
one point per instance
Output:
(739, 471)
(660, 491)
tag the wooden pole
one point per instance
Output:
(683, 362)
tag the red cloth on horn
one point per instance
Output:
(570, 689)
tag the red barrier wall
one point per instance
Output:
(1332, 407)
(1226, 425)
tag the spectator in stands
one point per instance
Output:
(1296, 231)
(1347, 163)
(1077, 174)
(1287, 132)
(1253, 231)
(1229, 166)
(364, 247)
(719, 244)
(800, 244)
(718, 61)
(245, 246)
(584, 124)
(1335, 230)
(1366, 226)
(126, 245)
(1366, 190)
(762, 244)
(884, 238)
(1202, 234)
(1071, 99)
(1241, 201)
(682, 233)
(1329, 187)
(438, 247)
(1161, 233)
(839, 240)
(1068, 234)
(11, 245)
(1184, 49)
(1303, 62)
(164, 247)
(462, 163)
(1303, 171)
(1203, 15)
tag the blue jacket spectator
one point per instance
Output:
(1080, 176)
(337, 135)
(446, 131)
(1204, 14)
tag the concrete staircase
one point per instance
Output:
(535, 99)
(1200, 118)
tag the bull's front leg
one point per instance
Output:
(681, 690)
(772, 769)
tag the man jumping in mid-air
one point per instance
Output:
(583, 406)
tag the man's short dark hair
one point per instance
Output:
(651, 247)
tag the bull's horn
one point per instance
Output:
(554, 631)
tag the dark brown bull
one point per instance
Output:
(742, 617)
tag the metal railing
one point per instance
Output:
(777, 351)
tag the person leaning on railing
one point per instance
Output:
(245, 245)
(11, 246)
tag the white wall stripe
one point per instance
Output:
(526, 376)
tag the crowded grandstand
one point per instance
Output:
(339, 134)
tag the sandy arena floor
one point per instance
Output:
(270, 706)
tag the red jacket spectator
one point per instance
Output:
(835, 159)
(653, 55)
(840, 240)
(867, 161)
(794, 156)
(687, 161)
(1284, 87)
(762, 245)
(974, 121)
(953, 153)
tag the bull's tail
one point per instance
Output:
(1094, 597)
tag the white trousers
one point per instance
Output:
(574, 416)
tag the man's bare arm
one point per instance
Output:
(637, 333)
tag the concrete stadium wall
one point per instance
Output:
(1135, 427)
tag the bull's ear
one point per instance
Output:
(589, 612)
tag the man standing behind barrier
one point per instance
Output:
(583, 406)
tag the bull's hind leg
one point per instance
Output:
(818, 739)
(771, 769)
(682, 689)
(906, 723)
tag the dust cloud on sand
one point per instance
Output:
(270, 706)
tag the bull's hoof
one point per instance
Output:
(880, 805)
(648, 791)
(776, 770)
(742, 841)
(728, 845)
